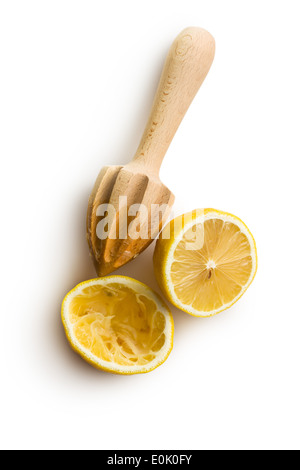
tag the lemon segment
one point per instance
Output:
(204, 261)
(118, 324)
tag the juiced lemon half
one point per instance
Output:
(204, 261)
(118, 324)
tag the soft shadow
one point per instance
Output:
(120, 151)
(80, 267)
(76, 269)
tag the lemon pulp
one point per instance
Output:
(117, 324)
(212, 275)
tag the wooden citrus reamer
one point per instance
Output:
(186, 67)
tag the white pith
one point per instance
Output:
(211, 264)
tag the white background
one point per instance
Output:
(76, 84)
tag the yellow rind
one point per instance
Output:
(86, 357)
(163, 247)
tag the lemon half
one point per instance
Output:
(118, 324)
(204, 261)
